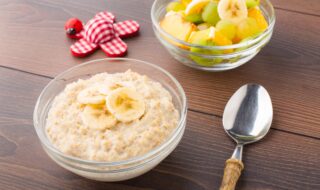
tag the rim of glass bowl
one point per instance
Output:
(155, 23)
(183, 113)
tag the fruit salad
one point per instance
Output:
(213, 23)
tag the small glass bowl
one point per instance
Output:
(241, 52)
(120, 170)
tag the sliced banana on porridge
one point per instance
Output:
(91, 95)
(126, 104)
(107, 87)
(105, 122)
(98, 117)
(96, 94)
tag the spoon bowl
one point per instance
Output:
(248, 114)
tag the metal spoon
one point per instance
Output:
(247, 118)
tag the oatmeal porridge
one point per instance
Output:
(111, 117)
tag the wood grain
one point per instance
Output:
(33, 40)
(279, 162)
(311, 7)
(33, 35)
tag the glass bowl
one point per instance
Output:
(240, 54)
(120, 170)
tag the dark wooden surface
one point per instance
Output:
(34, 49)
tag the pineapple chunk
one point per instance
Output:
(174, 24)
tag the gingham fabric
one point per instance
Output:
(106, 15)
(114, 48)
(79, 35)
(82, 48)
(99, 30)
(126, 28)
(102, 32)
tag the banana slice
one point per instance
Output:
(106, 88)
(98, 117)
(126, 104)
(195, 6)
(232, 10)
(91, 95)
(97, 93)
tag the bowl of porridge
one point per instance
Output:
(111, 119)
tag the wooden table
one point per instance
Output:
(34, 49)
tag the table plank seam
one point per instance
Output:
(295, 11)
(276, 129)
(290, 132)
(27, 72)
(206, 113)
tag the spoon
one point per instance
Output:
(247, 118)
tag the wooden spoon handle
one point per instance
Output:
(232, 172)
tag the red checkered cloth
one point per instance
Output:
(106, 16)
(114, 48)
(126, 28)
(82, 48)
(101, 31)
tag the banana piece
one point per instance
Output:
(212, 32)
(126, 104)
(232, 10)
(98, 117)
(97, 93)
(195, 6)
(106, 88)
(91, 95)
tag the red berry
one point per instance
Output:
(73, 26)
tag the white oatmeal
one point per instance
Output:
(111, 117)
